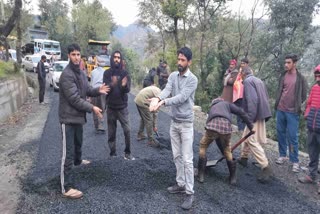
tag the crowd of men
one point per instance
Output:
(243, 95)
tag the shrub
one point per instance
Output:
(6, 69)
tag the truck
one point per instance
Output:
(50, 48)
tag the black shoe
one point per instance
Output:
(113, 154)
(176, 189)
(232, 170)
(243, 162)
(265, 175)
(202, 164)
(188, 201)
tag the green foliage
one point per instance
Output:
(91, 21)
(7, 69)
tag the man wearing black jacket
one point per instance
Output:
(41, 78)
(119, 82)
(218, 128)
(74, 88)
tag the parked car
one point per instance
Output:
(55, 72)
(30, 62)
(13, 54)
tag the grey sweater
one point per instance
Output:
(182, 90)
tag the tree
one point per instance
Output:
(207, 10)
(6, 29)
(91, 21)
(165, 15)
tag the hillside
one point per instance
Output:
(132, 36)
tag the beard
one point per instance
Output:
(182, 69)
(318, 82)
(117, 65)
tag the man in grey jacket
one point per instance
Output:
(74, 88)
(182, 85)
(256, 105)
(100, 101)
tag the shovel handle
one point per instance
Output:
(242, 140)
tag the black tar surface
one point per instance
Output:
(115, 185)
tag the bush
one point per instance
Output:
(6, 69)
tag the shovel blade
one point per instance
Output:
(212, 163)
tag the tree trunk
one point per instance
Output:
(18, 42)
(8, 27)
(175, 32)
(203, 73)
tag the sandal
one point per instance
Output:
(73, 194)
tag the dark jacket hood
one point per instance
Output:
(113, 67)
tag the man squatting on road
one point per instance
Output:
(218, 128)
(74, 88)
(182, 85)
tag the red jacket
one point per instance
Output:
(313, 100)
(312, 113)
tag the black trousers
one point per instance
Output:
(42, 88)
(314, 152)
(72, 136)
(112, 117)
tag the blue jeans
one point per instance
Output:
(287, 132)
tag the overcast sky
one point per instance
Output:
(125, 11)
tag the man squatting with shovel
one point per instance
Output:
(218, 128)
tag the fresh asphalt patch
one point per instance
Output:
(115, 185)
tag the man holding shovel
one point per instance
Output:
(218, 128)
(148, 119)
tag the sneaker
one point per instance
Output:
(176, 189)
(113, 154)
(296, 167)
(306, 180)
(82, 163)
(128, 157)
(188, 201)
(281, 160)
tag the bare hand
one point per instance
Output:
(159, 105)
(124, 81)
(97, 111)
(104, 89)
(155, 129)
(153, 103)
